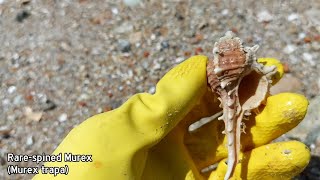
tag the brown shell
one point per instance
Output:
(231, 59)
(241, 84)
(231, 54)
(213, 80)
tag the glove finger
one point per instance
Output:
(118, 140)
(282, 112)
(282, 160)
(153, 116)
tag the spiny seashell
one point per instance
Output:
(234, 67)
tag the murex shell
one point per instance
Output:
(232, 62)
(241, 84)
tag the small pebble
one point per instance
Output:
(286, 68)
(124, 45)
(156, 66)
(12, 117)
(25, 2)
(164, 45)
(42, 97)
(107, 108)
(15, 56)
(82, 104)
(302, 35)
(18, 100)
(307, 39)
(152, 90)
(315, 46)
(158, 47)
(137, 44)
(187, 53)
(153, 37)
(139, 88)
(146, 54)
(60, 130)
(161, 59)
(179, 16)
(145, 64)
(5, 102)
(12, 89)
(197, 39)
(179, 60)
(31, 60)
(48, 105)
(65, 46)
(293, 17)
(124, 27)
(198, 50)
(84, 97)
(63, 117)
(95, 51)
(21, 16)
(5, 132)
(289, 49)
(309, 58)
(29, 141)
(115, 11)
(225, 12)
(131, 2)
(99, 110)
(130, 73)
(264, 16)
(203, 25)
(30, 115)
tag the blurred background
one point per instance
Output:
(62, 61)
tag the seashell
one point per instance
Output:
(241, 83)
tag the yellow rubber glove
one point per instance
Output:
(147, 137)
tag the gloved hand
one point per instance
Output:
(147, 137)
